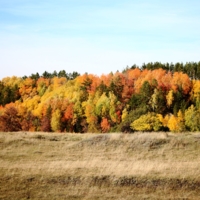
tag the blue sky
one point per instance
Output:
(95, 36)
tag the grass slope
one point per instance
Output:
(99, 166)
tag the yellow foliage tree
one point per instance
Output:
(27, 88)
(176, 124)
(170, 98)
(124, 114)
(56, 120)
(173, 124)
(91, 117)
(12, 81)
(195, 93)
(113, 107)
(147, 122)
(192, 118)
(163, 120)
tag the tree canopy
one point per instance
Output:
(152, 97)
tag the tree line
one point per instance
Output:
(62, 73)
(147, 98)
(192, 69)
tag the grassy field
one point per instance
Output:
(99, 166)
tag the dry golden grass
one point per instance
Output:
(99, 166)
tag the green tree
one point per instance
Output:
(157, 101)
(62, 73)
(85, 88)
(46, 74)
(116, 87)
(146, 92)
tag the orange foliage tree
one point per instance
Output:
(10, 120)
(105, 125)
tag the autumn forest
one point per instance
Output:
(152, 97)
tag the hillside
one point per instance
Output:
(148, 99)
(100, 166)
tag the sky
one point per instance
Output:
(96, 37)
